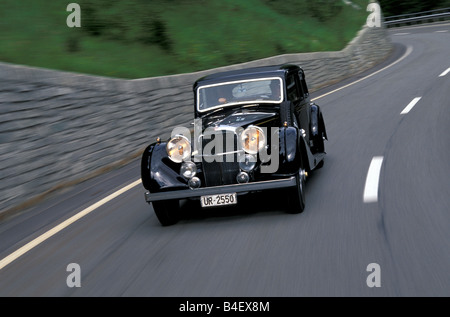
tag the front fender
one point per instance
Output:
(289, 154)
(158, 172)
(145, 166)
(317, 123)
(294, 151)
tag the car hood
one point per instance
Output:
(238, 118)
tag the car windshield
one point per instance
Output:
(262, 90)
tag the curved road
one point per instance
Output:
(377, 212)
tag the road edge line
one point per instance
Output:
(35, 242)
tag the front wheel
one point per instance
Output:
(296, 195)
(167, 211)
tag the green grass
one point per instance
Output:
(146, 38)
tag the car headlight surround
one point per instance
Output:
(188, 169)
(247, 162)
(253, 139)
(179, 149)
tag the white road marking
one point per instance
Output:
(408, 51)
(373, 177)
(30, 245)
(401, 33)
(445, 72)
(441, 31)
(410, 105)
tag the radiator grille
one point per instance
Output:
(220, 168)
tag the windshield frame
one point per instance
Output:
(245, 102)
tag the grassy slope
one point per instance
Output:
(202, 33)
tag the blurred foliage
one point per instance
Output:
(127, 22)
(144, 38)
(322, 10)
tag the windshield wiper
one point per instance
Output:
(214, 111)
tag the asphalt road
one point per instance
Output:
(402, 225)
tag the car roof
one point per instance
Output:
(245, 73)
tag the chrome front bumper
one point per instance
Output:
(237, 188)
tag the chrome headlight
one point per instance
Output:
(253, 140)
(179, 149)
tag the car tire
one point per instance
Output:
(296, 195)
(167, 211)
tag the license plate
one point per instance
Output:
(218, 200)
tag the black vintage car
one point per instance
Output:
(255, 129)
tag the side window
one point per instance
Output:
(292, 88)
